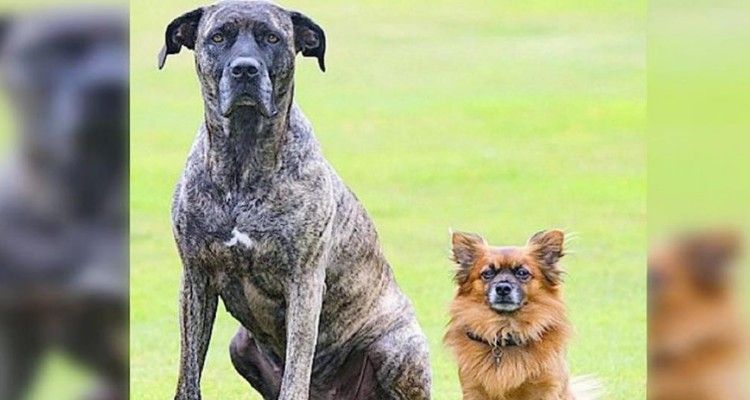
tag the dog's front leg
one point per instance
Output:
(304, 302)
(197, 312)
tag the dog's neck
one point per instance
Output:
(505, 340)
(245, 147)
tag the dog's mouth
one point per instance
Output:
(240, 101)
(256, 94)
(506, 303)
(246, 101)
(506, 306)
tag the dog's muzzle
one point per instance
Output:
(505, 296)
(246, 83)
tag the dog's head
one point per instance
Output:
(690, 277)
(66, 74)
(507, 279)
(245, 51)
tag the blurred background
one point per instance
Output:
(63, 201)
(698, 199)
(498, 117)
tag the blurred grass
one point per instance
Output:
(60, 378)
(498, 117)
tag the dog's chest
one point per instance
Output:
(242, 244)
(240, 235)
(253, 242)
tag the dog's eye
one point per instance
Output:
(271, 38)
(522, 273)
(217, 38)
(488, 274)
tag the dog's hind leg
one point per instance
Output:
(263, 374)
(402, 367)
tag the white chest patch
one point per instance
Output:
(239, 237)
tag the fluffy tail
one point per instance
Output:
(586, 387)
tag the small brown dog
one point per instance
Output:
(696, 336)
(508, 327)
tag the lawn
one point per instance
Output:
(497, 117)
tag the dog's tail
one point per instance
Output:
(586, 387)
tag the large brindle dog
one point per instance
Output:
(264, 222)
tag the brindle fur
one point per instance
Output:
(263, 222)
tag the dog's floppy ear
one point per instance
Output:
(466, 249)
(547, 247)
(180, 32)
(709, 256)
(309, 38)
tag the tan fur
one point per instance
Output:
(537, 368)
(696, 337)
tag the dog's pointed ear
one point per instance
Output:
(309, 38)
(547, 248)
(710, 256)
(180, 32)
(466, 249)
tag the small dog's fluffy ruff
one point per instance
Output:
(517, 354)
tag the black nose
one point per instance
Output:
(244, 68)
(503, 289)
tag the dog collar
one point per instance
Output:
(504, 341)
(496, 345)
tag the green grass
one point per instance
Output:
(498, 117)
